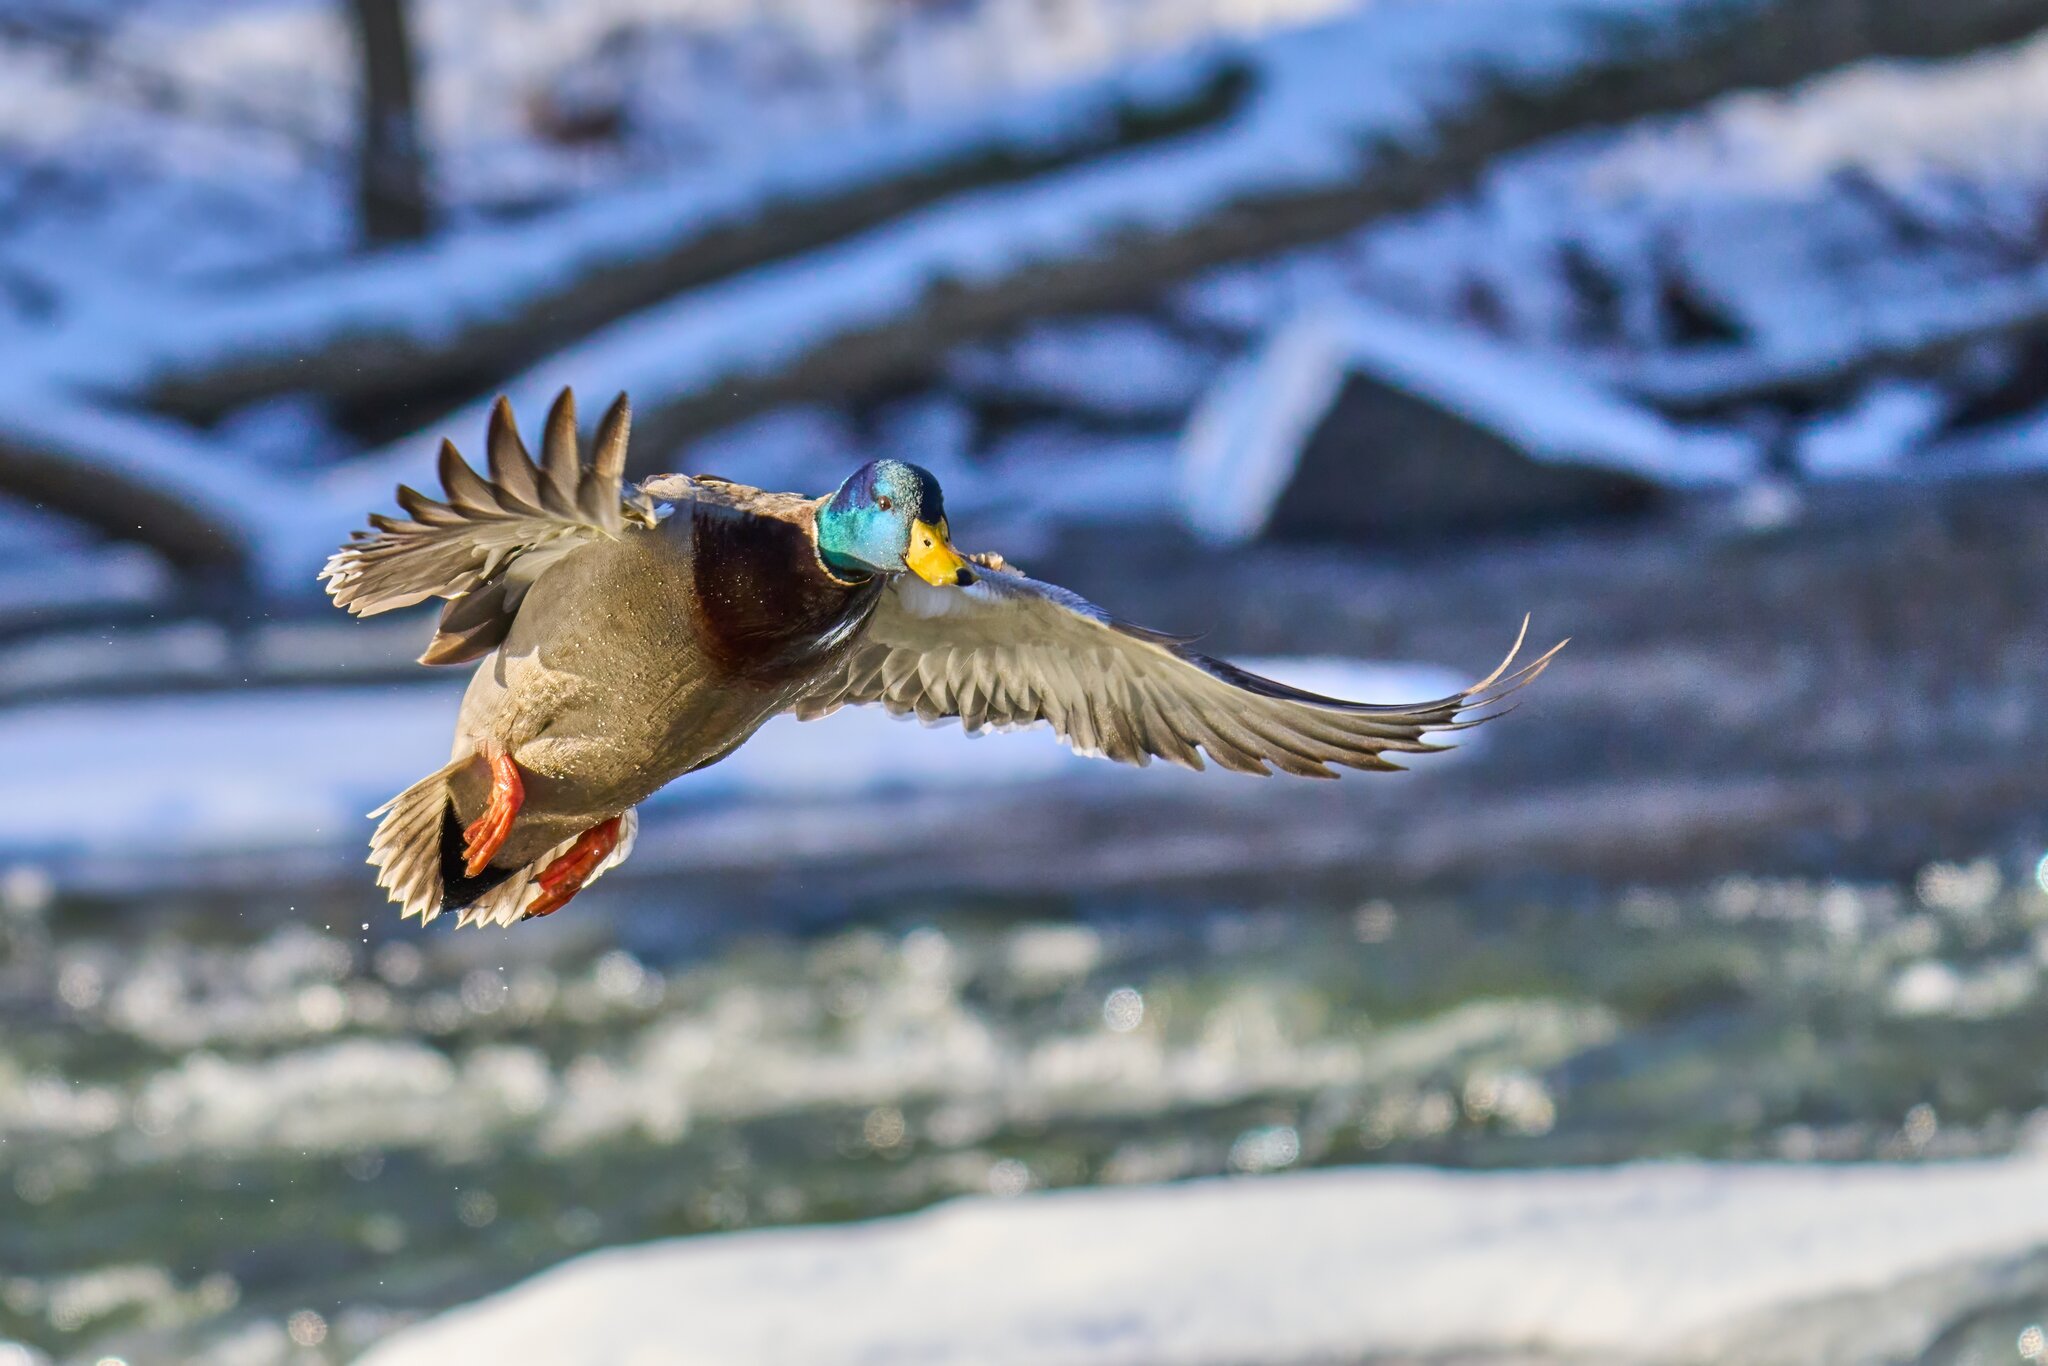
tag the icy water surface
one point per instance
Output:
(256, 1134)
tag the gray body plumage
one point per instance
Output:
(602, 692)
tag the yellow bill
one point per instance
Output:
(932, 558)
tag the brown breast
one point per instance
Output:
(768, 610)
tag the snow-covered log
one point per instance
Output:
(1342, 123)
(1908, 336)
(1238, 150)
(1355, 421)
(490, 300)
(136, 479)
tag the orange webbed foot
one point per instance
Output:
(562, 879)
(486, 834)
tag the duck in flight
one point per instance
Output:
(629, 636)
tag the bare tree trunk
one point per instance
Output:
(391, 172)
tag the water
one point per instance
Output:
(248, 1132)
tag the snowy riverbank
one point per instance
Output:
(1642, 1262)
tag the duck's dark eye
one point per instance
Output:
(885, 502)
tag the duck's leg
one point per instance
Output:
(562, 879)
(486, 834)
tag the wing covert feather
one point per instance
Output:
(1010, 650)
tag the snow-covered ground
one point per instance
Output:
(1640, 1263)
(106, 315)
(1763, 235)
(1811, 218)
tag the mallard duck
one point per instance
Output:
(629, 637)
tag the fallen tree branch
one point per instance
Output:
(136, 479)
(487, 302)
(1894, 340)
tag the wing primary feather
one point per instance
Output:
(598, 493)
(1498, 687)
(561, 465)
(1285, 749)
(1013, 651)
(466, 489)
(1174, 744)
(1131, 721)
(1481, 718)
(1225, 749)
(1483, 684)
(511, 467)
(426, 510)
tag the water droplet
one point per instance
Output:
(1124, 1010)
(1009, 1178)
(307, 1328)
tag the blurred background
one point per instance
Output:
(1713, 333)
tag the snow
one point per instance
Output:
(49, 565)
(1641, 1262)
(1889, 208)
(1112, 367)
(202, 267)
(56, 582)
(1876, 434)
(489, 272)
(242, 500)
(1903, 322)
(1548, 411)
(1245, 438)
(289, 769)
(1383, 78)
(192, 141)
(1745, 199)
(1243, 443)
(1731, 192)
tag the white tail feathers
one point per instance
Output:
(406, 852)
(406, 846)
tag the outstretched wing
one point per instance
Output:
(493, 537)
(1009, 650)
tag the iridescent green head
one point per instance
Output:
(886, 518)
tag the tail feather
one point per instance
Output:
(417, 851)
(504, 904)
(406, 846)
